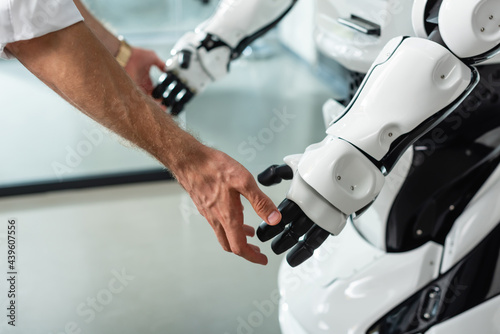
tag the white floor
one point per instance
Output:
(175, 277)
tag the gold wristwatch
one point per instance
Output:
(124, 52)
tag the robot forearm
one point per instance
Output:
(345, 172)
(204, 55)
(239, 22)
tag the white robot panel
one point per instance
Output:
(433, 77)
(471, 27)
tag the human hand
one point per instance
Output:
(215, 183)
(139, 66)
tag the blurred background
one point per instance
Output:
(75, 245)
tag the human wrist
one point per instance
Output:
(189, 157)
(178, 150)
(190, 160)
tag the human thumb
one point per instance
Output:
(263, 205)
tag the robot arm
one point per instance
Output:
(204, 55)
(411, 87)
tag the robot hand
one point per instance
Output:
(343, 174)
(294, 223)
(320, 206)
(197, 59)
(204, 56)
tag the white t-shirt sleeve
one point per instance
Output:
(27, 19)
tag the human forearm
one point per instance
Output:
(89, 78)
(138, 64)
(109, 40)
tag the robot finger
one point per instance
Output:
(166, 79)
(305, 248)
(185, 58)
(291, 235)
(179, 105)
(274, 175)
(289, 212)
(172, 95)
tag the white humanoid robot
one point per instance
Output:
(408, 171)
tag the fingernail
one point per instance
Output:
(274, 218)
